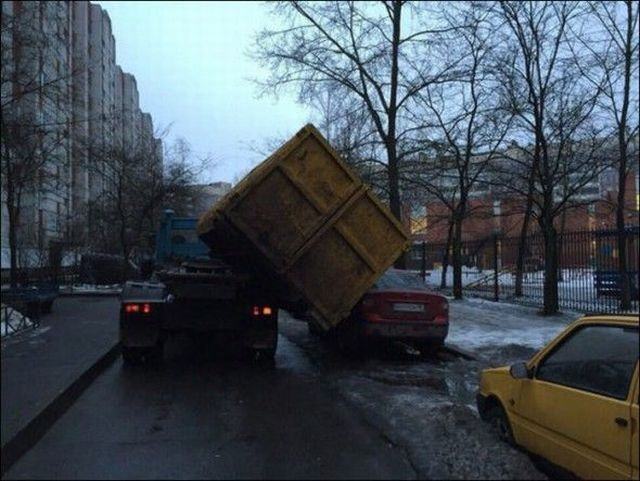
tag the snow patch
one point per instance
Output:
(12, 321)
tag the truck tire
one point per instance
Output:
(131, 356)
(264, 355)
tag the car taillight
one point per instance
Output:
(441, 319)
(137, 308)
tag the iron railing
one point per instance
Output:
(588, 276)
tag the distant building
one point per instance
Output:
(204, 196)
(492, 211)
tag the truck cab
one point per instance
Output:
(190, 291)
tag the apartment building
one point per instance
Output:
(36, 60)
(59, 70)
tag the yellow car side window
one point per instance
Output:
(595, 358)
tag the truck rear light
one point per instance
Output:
(129, 308)
(136, 308)
(265, 310)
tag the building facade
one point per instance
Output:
(69, 111)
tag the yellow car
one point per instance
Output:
(575, 403)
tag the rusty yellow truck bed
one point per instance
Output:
(307, 220)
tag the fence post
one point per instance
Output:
(423, 266)
(496, 284)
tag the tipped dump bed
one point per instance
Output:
(306, 221)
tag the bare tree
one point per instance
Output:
(138, 186)
(611, 53)
(371, 50)
(542, 86)
(466, 120)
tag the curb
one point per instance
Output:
(28, 436)
(456, 351)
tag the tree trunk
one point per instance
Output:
(13, 245)
(563, 222)
(625, 294)
(445, 258)
(392, 154)
(13, 211)
(522, 241)
(457, 256)
(550, 266)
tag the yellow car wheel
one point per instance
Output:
(499, 421)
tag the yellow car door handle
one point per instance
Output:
(622, 422)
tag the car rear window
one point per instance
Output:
(595, 358)
(395, 280)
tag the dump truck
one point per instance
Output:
(301, 232)
(190, 291)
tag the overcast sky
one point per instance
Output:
(190, 62)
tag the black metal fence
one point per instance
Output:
(588, 277)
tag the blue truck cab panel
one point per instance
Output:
(177, 240)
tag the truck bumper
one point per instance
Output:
(139, 333)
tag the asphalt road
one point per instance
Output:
(201, 416)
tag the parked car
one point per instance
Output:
(399, 307)
(32, 299)
(574, 403)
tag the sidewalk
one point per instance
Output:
(37, 365)
(500, 332)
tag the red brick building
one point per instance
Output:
(488, 214)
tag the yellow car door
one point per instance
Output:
(635, 419)
(576, 410)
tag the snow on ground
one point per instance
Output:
(570, 277)
(91, 289)
(486, 327)
(12, 321)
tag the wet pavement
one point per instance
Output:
(314, 414)
(203, 417)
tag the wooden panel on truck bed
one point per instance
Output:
(321, 231)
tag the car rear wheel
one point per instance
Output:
(429, 348)
(499, 421)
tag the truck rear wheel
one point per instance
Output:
(133, 356)
(264, 355)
